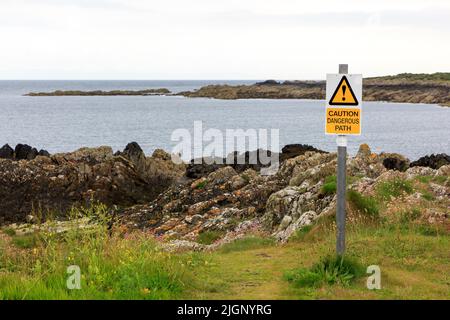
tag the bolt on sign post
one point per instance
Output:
(343, 117)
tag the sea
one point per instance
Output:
(63, 124)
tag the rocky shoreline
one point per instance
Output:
(146, 92)
(408, 88)
(177, 203)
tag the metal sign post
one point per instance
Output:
(343, 117)
(341, 141)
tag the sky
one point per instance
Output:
(221, 39)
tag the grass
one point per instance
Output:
(413, 266)
(112, 267)
(246, 243)
(366, 205)
(201, 185)
(209, 237)
(394, 188)
(329, 270)
(329, 186)
(413, 258)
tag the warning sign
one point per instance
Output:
(343, 120)
(343, 95)
(343, 111)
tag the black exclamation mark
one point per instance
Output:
(344, 88)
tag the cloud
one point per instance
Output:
(196, 39)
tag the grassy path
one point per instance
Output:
(412, 266)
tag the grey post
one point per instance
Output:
(341, 141)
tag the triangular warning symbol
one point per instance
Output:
(343, 95)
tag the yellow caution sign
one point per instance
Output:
(343, 95)
(343, 121)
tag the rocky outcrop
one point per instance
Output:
(243, 161)
(146, 92)
(57, 182)
(6, 152)
(434, 161)
(394, 161)
(21, 152)
(411, 88)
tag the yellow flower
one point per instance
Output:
(145, 291)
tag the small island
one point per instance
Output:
(406, 87)
(145, 92)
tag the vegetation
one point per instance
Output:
(366, 205)
(247, 243)
(209, 237)
(329, 187)
(329, 270)
(112, 266)
(394, 188)
(438, 76)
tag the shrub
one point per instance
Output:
(394, 188)
(329, 270)
(365, 205)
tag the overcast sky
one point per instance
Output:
(220, 39)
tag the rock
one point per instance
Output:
(419, 171)
(305, 219)
(285, 222)
(31, 219)
(434, 161)
(25, 152)
(267, 82)
(6, 152)
(394, 161)
(161, 154)
(294, 150)
(64, 180)
(221, 175)
(44, 153)
(443, 171)
(364, 151)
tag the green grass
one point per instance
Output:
(428, 196)
(247, 243)
(9, 231)
(26, 241)
(209, 237)
(410, 215)
(329, 270)
(329, 187)
(201, 185)
(112, 267)
(366, 205)
(393, 189)
(413, 258)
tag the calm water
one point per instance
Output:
(61, 124)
